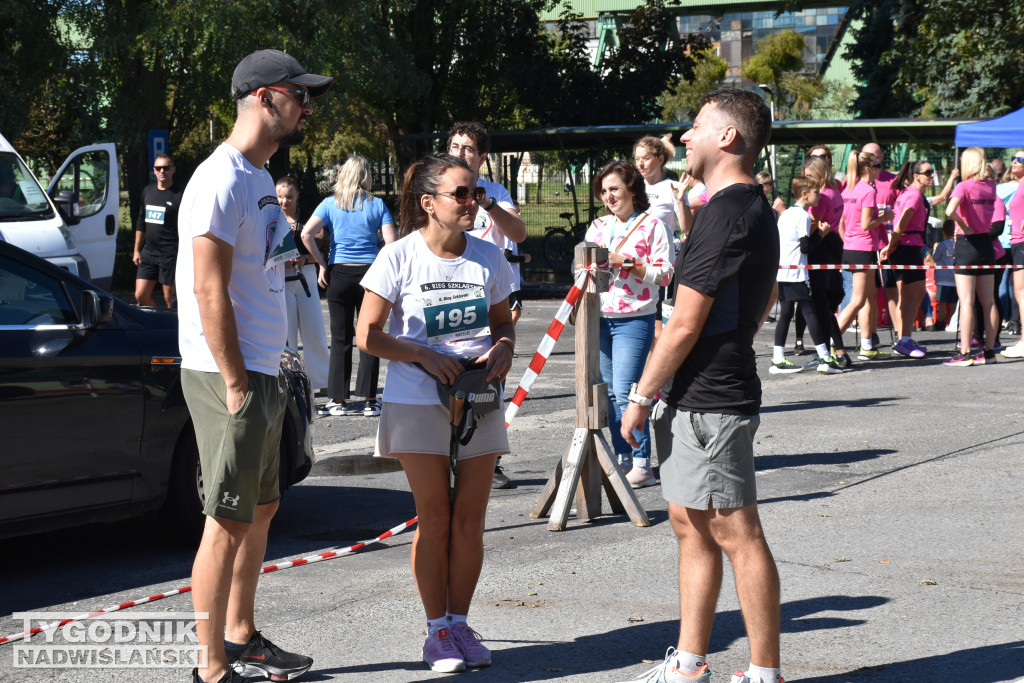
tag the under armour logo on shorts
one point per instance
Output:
(229, 502)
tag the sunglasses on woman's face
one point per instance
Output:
(928, 172)
(1017, 160)
(461, 194)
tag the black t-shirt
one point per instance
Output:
(732, 255)
(158, 218)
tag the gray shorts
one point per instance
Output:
(707, 459)
(408, 428)
(238, 452)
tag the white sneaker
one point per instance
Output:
(740, 677)
(666, 673)
(1015, 351)
(639, 477)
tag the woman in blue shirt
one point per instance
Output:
(352, 218)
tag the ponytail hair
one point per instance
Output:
(907, 172)
(423, 177)
(857, 164)
(660, 147)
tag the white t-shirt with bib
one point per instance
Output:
(234, 201)
(440, 303)
(485, 229)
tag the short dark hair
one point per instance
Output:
(630, 176)
(423, 177)
(747, 111)
(474, 131)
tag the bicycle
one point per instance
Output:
(560, 242)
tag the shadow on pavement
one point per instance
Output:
(628, 646)
(771, 462)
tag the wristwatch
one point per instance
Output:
(636, 398)
(493, 205)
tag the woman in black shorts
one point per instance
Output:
(905, 249)
(971, 206)
(863, 231)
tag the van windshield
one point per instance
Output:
(21, 198)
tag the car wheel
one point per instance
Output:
(183, 511)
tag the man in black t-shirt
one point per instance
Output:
(156, 234)
(704, 366)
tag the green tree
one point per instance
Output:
(681, 102)
(774, 56)
(938, 57)
(29, 53)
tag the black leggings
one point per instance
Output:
(826, 303)
(810, 315)
(344, 297)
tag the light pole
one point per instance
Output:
(771, 104)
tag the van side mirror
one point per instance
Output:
(97, 309)
(68, 207)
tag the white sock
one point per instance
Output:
(904, 340)
(822, 350)
(866, 343)
(456, 618)
(778, 354)
(435, 625)
(760, 673)
(689, 663)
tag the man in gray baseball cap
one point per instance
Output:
(231, 331)
(266, 67)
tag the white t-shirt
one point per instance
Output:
(794, 223)
(440, 303)
(663, 204)
(485, 229)
(234, 201)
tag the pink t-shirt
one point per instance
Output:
(855, 200)
(1017, 217)
(830, 208)
(886, 192)
(977, 204)
(913, 233)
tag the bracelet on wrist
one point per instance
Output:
(507, 342)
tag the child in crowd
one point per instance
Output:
(944, 281)
(796, 239)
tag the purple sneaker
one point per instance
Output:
(468, 641)
(909, 349)
(440, 653)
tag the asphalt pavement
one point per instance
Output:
(890, 496)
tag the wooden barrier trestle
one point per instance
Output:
(590, 462)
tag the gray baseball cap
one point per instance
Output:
(266, 67)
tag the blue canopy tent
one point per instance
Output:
(1006, 131)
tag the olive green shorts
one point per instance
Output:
(238, 452)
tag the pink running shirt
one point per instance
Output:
(855, 199)
(1017, 217)
(977, 204)
(913, 233)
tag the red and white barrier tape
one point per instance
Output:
(546, 345)
(327, 555)
(888, 266)
(536, 365)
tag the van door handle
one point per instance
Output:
(111, 224)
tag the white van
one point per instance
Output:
(74, 223)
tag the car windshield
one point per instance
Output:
(20, 195)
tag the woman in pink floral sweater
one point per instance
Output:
(638, 255)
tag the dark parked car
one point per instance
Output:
(93, 425)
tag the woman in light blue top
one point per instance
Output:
(352, 217)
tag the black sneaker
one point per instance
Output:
(844, 361)
(231, 676)
(500, 481)
(261, 658)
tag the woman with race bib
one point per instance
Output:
(447, 299)
(638, 255)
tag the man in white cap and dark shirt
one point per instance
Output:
(497, 220)
(232, 330)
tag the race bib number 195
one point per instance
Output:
(452, 316)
